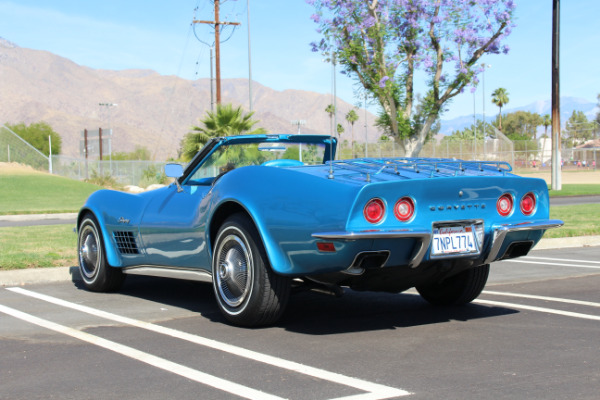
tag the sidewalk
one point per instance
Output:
(38, 217)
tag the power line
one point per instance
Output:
(217, 25)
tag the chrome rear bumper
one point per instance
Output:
(424, 236)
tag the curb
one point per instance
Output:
(568, 242)
(22, 277)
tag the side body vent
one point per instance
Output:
(126, 242)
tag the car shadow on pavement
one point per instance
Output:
(318, 314)
(194, 296)
(311, 312)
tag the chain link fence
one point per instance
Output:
(525, 154)
(14, 149)
(135, 173)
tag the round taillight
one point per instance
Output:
(404, 209)
(504, 205)
(528, 204)
(374, 211)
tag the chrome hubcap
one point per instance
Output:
(234, 270)
(88, 252)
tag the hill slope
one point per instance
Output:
(153, 110)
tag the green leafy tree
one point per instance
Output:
(36, 134)
(500, 99)
(521, 123)
(474, 132)
(140, 153)
(598, 117)
(387, 44)
(225, 121)
(524, 143)
(578, 129)
(598, 113)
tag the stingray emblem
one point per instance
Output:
(123, 220)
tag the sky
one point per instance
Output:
(159, 35)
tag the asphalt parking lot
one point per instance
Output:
(532, 334)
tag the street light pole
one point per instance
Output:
(299, 122)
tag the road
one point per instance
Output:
(532, 334)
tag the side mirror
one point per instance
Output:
(173, 170)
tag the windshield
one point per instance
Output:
(228, 157)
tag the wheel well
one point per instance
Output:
(221, 214)
(82, 215)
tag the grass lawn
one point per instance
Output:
(580, 220)
(41, 193)
(575, 189)
(37, 246)
(26, 192)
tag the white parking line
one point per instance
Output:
(540, 309)
(375, 391)
(201, 377)
(546, 298)
(562, 259)
(550, 263)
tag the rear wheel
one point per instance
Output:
(248, 292)
(97, 275)
(458, 289)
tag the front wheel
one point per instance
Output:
(458, 289)
(248, 292)
(97, 275)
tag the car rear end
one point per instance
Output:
(447, 214)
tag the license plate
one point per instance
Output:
(451, 240)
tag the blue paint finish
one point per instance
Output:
(289, 203)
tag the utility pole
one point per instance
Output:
(556, 141)
(250, 61)
(217, 24)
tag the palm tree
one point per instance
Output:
(500, 98)
(330, 109)
(340, 130)
(352, 117)
(226, 121)
(546, 121)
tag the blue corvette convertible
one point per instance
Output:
(260, 215)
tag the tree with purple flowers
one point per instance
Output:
(387, 44)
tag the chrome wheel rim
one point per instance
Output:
(233, 270)
(88, 251)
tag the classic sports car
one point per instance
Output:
(260, 215)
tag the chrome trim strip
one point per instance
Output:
(190, 274)
(500, 232)
(372, 234)
(424, 237)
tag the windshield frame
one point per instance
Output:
(215, 143)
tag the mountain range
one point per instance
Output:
(151, 110)
(567, 106)
(156, 111)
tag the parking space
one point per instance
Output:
(531, 334)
